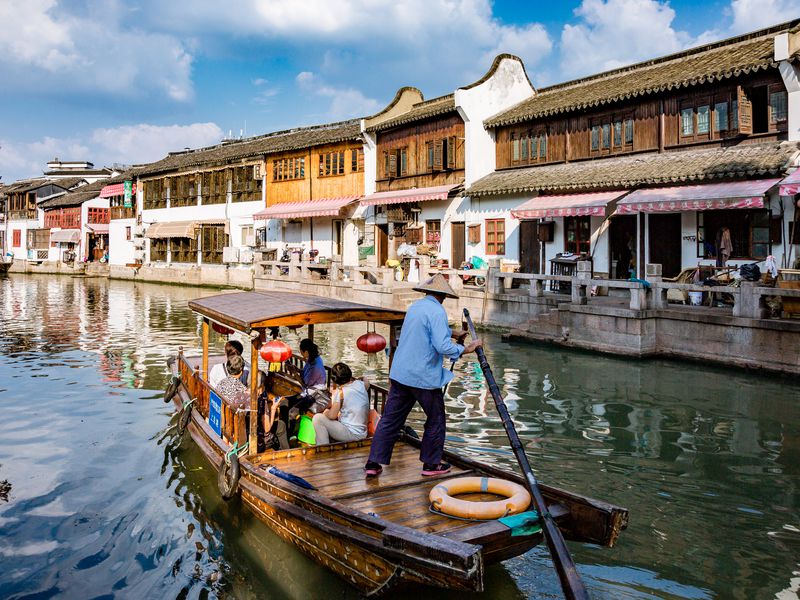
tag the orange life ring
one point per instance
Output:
(517, 498)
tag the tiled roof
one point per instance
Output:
(420, 111)
(67, 183)
(75, 198)
(685, 166)
(728, 58)
(282, 141)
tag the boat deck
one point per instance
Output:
(398, 495)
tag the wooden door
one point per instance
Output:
(664, 232)
(382, 243)
(458, 244)
(529, 246)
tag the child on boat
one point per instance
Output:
(346, 419)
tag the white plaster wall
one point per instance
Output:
(507, 86)
(480, 209)
(121, 251)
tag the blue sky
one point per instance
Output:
(115, 81)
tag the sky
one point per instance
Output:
(127, 81)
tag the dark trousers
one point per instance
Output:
(399, 403)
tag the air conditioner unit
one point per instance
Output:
(138, 242)
(246, 256)
(250, 240)
(230, 255)
(257, 172)
(139, 230)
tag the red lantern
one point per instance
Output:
(275, 353)
(221, 329)
(371, 342)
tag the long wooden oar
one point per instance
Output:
(571, 582)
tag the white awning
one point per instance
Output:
(66, 236)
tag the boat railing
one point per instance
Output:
(233, 422)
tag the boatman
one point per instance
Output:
(418, 375)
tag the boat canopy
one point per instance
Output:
(245, 311)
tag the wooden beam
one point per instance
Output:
(311, 332)
(253, 437)
(204, 368)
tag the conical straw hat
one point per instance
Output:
(437, 285)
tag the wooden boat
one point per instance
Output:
(375, 533)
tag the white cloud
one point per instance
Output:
(613, 33)
(127, 144)
(48, 47)
(146, 143)
(749, 15)
(345, 102)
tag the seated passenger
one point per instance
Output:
(346, 419)
(314, 382)
(274, 430)
(221, 370)
(231, 388)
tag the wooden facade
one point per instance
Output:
(326, 171)
(750, 107)
(206, 185)
(421, 154)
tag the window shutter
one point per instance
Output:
(438, 154)
(392, 164)
(403, 161)
(451, 152)
(745, 111)
(429, 152)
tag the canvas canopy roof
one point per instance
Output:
(245, 311)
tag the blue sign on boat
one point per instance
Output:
(214, 412)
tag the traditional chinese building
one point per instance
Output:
(650, 163)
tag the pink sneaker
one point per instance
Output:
(372, 469)
(431, 470)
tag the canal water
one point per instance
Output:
(100, 499)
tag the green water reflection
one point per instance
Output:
(105, 501)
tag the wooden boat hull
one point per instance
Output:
(359, 551)
(344, 532)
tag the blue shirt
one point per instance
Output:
(314, 373)
(425, 341)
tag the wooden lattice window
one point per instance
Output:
(214, 239)
(52, 218)
(158, 250)
(183, 250)
(474, 234)
(215, 187)
(183, 190)
(288, 169)
(16, 238)
(155, 194)
(245, 186)
(38, 238)
(496, 236)
(413, 235)
(98, 215)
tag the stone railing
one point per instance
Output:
(578, 290)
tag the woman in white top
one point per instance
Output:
(346, 419)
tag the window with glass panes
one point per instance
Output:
(778, 105)
(287, 169)
(155, 193)
(357, 160)
(331, 163)
(749, 231)
(433, 232)
(496, 236)
(610, 134)
(577, 234)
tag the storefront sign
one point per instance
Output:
(214, 413)
(128, 194)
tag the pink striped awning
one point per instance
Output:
(439, 192)
(99, 228)
(326, 207)
(710, 196)
(115, 189)
(791, 185)
(570, 205)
